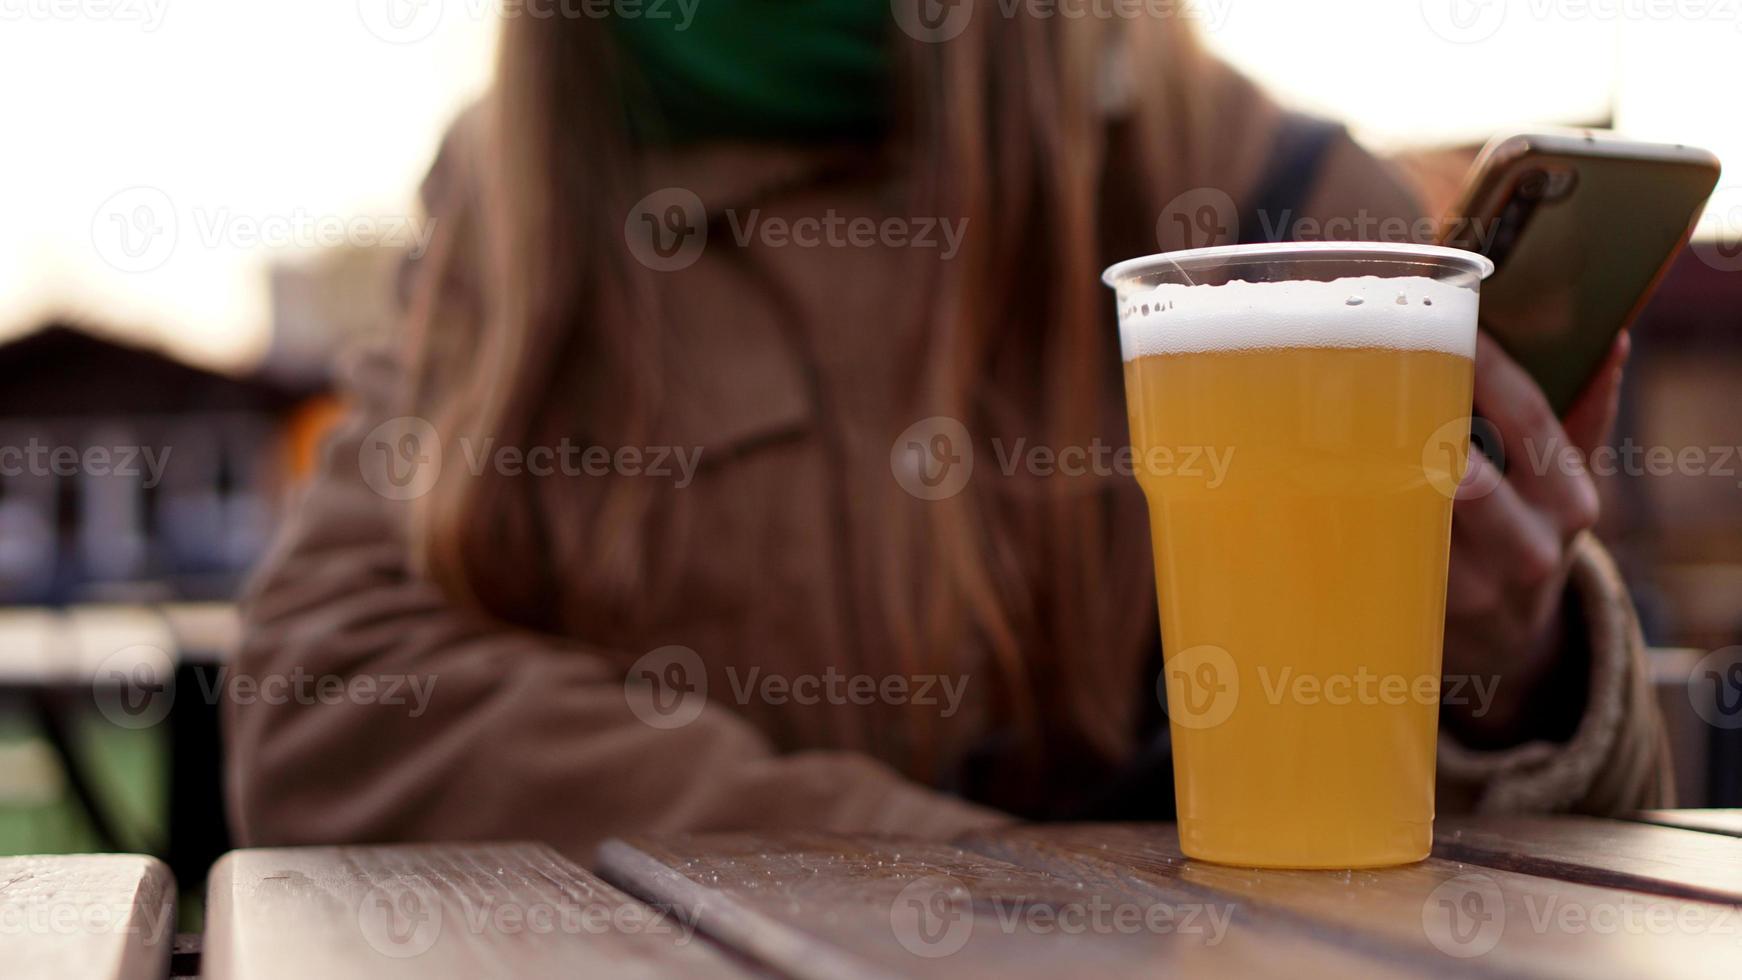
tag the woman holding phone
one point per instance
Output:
(794, 634)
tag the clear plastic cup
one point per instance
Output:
(1300, 415)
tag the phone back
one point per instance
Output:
(1580, 229)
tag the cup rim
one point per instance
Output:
(1470, 261)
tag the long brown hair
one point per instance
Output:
(1006, 126)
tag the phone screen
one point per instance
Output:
(1577, 241)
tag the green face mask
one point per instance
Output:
(759, 69)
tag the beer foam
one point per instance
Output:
(1410, 313)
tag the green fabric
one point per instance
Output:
(759, 69)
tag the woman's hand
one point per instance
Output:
(1511, 540)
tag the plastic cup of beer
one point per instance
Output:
(1300, 422)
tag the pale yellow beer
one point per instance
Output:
(1302, 577)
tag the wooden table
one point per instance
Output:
(477, 910)
(85, 917)
(1543, 897)
(1524, 897)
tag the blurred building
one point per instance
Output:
(128, 475)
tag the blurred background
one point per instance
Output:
(202, 201)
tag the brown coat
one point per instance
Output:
(536, 736)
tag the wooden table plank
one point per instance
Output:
(109, 916)
(435, 911)
(1608, 853)
(1433, 917)
(1707, 821)
(815, 905)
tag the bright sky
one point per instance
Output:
(249, 129)
(239, 118)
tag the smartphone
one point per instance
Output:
(1581, 226)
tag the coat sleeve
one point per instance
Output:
(365, 707)
(1618, 756)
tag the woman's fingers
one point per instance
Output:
(1542, 462)
(1518, 542)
